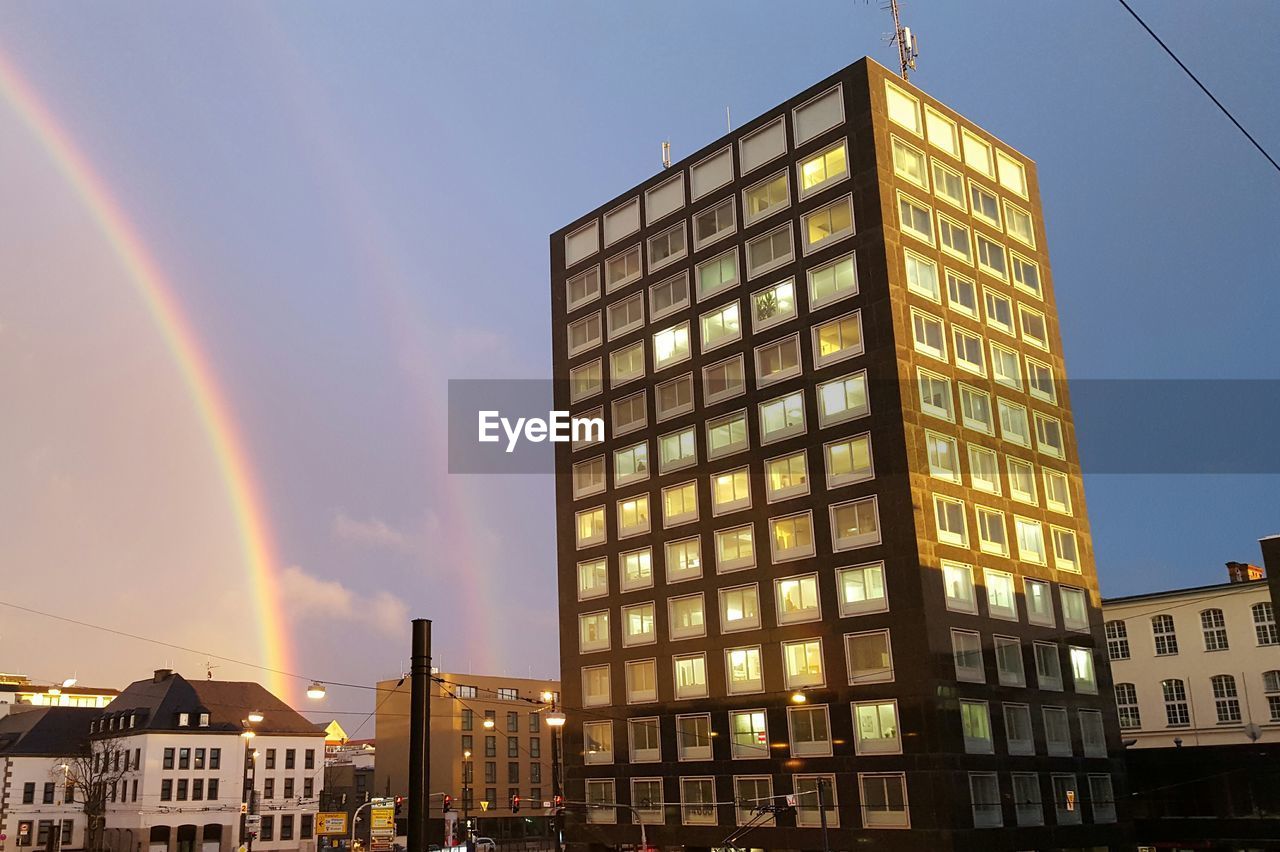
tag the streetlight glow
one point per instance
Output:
(256, 716)
(488, 723)
(316, 690)
(555, 719)
(68, 683)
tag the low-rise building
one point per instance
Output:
(18, 691)
(1197, 666)
(39, 809)
(191, 750)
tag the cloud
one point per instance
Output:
(307, 597)
(370, 533)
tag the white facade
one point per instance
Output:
(186, 790)
(1200, 666)
(33, 805)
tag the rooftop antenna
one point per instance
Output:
(728, 122)
(666, 154)
(208, 669)
(906, 42)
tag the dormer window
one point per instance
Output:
(184, 720)
(204, 720)
(132, 719)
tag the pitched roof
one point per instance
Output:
(46, 731)
(157, 702)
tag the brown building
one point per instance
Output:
(833, 543)
(511, 757)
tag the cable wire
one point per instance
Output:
(1202, 86)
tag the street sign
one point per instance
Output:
(484, 805)
(382, 822)
(331, 823)
(252, 821)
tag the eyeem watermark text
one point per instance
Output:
(558, 427)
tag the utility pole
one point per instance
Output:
(419, 735)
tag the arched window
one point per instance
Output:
(1215, 629)
(1226, 701)
(1264, 624)
(1127, 704)
(1117, 640)
(1177, 713)
(1164, 634)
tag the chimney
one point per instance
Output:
(162, 675)
(1243, 572)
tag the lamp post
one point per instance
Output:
(555, 720)
(466, 795)
(248, 801)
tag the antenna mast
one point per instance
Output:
(906, 42)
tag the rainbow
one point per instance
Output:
(210, 403)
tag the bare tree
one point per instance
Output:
(95, 774)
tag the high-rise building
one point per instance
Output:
(831, 553)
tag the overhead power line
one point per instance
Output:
(1203, 87)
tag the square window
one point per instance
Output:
(782, 417)
(735, 549)
(631, 465)
(717, 274)
(1017, 729)
(968, 351)
(1075, 608)
(777, 361)
(1040, 381)
(679, 504)
(957, 581)
(796, 599)
(713, 224)
(768, 196)
(668, 296)
(593, 579)
(884, 800)
(977, 154)
(825, 168)
(762, 145)
(597, 742)
(667, 247)
(686, 617)
(818, 114)
(749, 733)
(962, 295)
(665, 198)
(948, 185)
(1066, 556)
(1082, 675)
(992, 536)
(674, 397)
(1009, 665)
(743, 670)
(769, 251)
(1004, 366)
(595, 686)
(966, 651)
(791, 537)
(710, 174)
(1022, 480)
(730, 491)
(622, 221)
(773, 305)
(684, 559)
(843, 399)
(677, 449)
(626, 315)
(635, 569)
(582, 289)
(1013, 176)
(1049, 438)
(903, 109)
(868, 657)
(991, 257)
(1014, 426)
(739, 608)
(727, 435)
(786, 477)
(633, 515)
(590, 526)
(943, 455)
(1002, 601)
(999, 310)
(837, 339)
(848, 460)
(1019, 224)
(1034, 328)
(942, 132)
(929, 335)
(915, 218)
(582, 243)
(593, 435)
(953, 239)
(949, 518)
(1026, 275)
(935, 395)
(827, 224)
(671, 346)
(861, 589)
(922, 276)
(975, 410)
(986, 205)
(832, 281)
(621, 269)
(584, 334)
(875, 728)
(908, 163)
(984, 469)
(645, 741)
(690, 675)
(855, 524)
(588, 477)
(626, 364)
(1057, 491)
(693, 737)
(810, 731)
(638, 625)
(723, 380)
(1039, 603)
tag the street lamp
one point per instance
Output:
(248, 797)
(555, 720)
(488, 723)
(316, 690)
(256, 716)
(466, 794)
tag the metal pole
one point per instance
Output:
(822, 813)
(558, 817)
(355, 818)
(419, 735)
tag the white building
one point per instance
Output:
(189, 760)
(1198, 666)
(35, 810)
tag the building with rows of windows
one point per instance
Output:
(1200, 666)
(832, 545)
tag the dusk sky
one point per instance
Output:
(350, 204)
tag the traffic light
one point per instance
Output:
(399, 809)
(515, 804)
(447, 804)
(557, 803)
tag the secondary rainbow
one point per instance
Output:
(209, 401)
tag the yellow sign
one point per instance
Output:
(484, 806)
(383, 821)
(331, 823)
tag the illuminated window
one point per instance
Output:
(597, 742)
(743, 670)
(686, 617)
(739, 609)
(786, 476)
(1082, 670)
(595, 686)
(957, 585)
(638, 625)
(827, 224)
(772, 305)
(823, 169)
(750, 734)
(861, 589)
(633, 515)
(782, 417)
(802, 664)
(635, 568)
(593, 579)
(671, 346)
(843, 399)
(590, 526)
(735, 549)
(679, 504)
(720, 326)
(684, 559)
(797, 599)
(791, 537)
(593, 632)
(975, 722)
(730, 491)
(727, 435)
(837, 339)
(909, 163)
(875, 726)
(690, 675)
(848, 460)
